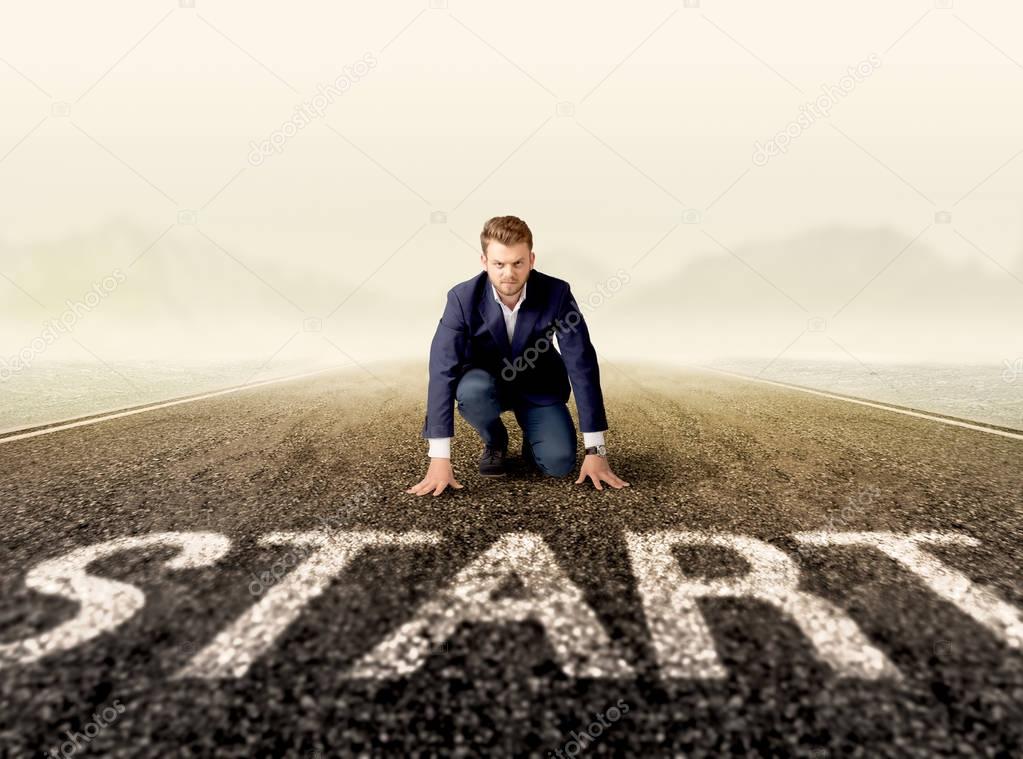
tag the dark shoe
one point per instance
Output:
(492, 462)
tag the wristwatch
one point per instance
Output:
(596, 449)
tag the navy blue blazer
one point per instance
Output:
(472, 333)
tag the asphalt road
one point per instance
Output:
(275, 592)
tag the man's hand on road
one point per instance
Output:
(596, 468)
(438, 476)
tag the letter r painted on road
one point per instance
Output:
(682, 641)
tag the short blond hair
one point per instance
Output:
(507, 230)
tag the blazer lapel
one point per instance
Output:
(494, 319)
(529, 312)
(527, 317)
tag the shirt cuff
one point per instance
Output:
(593, 438)
(440, 448)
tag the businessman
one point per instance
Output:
(494, 350)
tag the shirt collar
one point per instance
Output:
(522, 297)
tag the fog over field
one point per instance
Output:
(819, 293)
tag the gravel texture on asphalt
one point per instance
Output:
(703, 453)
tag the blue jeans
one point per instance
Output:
(548, 432)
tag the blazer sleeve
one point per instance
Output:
(580, 359)
(447, 359)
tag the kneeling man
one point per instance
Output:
(494, 351)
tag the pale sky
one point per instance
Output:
(891, 228)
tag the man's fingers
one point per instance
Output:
(424, 486)
(419, 488)
(616, 478)
(617, 481)
(436, 487)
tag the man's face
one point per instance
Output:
(508, 266)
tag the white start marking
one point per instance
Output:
(948, 583)
(580, 644)
(234, 649)
(105, 604)
(683, 642)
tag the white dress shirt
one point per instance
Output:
(440, 447)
